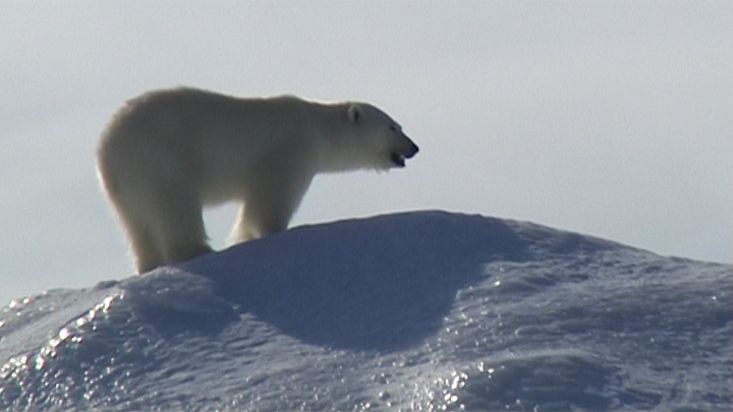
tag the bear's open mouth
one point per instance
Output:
(398, 159)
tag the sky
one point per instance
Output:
(607, 118)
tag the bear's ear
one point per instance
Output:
(355, 114)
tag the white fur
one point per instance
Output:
(168, 153)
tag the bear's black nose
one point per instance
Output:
(413, 151)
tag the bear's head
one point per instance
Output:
(378, 139)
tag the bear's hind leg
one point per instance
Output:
(179, 228)
(147, 255)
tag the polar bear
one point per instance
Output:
(168, 153)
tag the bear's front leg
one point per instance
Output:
(269, 207)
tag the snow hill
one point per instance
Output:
(418, 311)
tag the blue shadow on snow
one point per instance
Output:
(382, 283)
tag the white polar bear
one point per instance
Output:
(168, 153)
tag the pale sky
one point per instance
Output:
(607, 118)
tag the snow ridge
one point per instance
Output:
(414, 311)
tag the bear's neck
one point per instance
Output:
(336, 149)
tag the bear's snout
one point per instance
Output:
(398, 157)
(413, 150)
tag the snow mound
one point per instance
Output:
(413, 311)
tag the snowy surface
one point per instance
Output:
(415, 311)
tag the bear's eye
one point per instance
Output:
(393, 128)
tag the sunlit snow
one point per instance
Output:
(416, 311)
